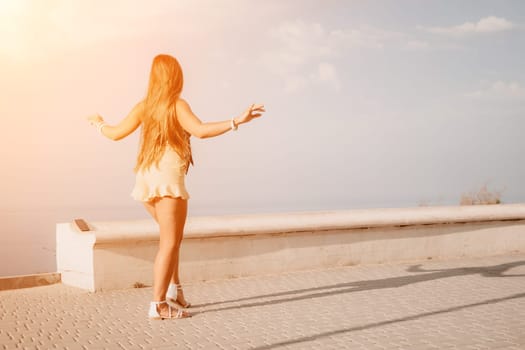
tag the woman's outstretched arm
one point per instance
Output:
(124, 128)
(192, 124)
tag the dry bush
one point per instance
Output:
(482, 196)
(139, 285)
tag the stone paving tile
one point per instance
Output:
(455, 304)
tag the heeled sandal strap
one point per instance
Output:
(157, 303)
(180, 313)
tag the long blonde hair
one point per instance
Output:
(160, 126)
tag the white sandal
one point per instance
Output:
(171, 295)
(155, 315)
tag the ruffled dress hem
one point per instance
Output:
(145, 194)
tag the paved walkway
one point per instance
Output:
(460, 304)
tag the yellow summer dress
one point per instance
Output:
(166, 180)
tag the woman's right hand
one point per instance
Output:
(254, 111)
(95, 119)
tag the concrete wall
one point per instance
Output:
(116, 255)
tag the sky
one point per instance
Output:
(369, 104)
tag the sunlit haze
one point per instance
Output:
(369, 104)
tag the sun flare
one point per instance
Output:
(13, 14)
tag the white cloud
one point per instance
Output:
(328, 73)
(498, 90)
(298, 47)
(302, 52)
(489, 24)
(297, 44)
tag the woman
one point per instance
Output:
(162, 163)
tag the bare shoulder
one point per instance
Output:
(185, 116)
(182, 104)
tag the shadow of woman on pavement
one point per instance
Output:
(421, 275)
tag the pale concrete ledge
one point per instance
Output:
(118, 254)
(27, 281)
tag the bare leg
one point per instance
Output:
(175, 277)
(150, 207)
(171, 216)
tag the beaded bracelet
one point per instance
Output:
(232, 125)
